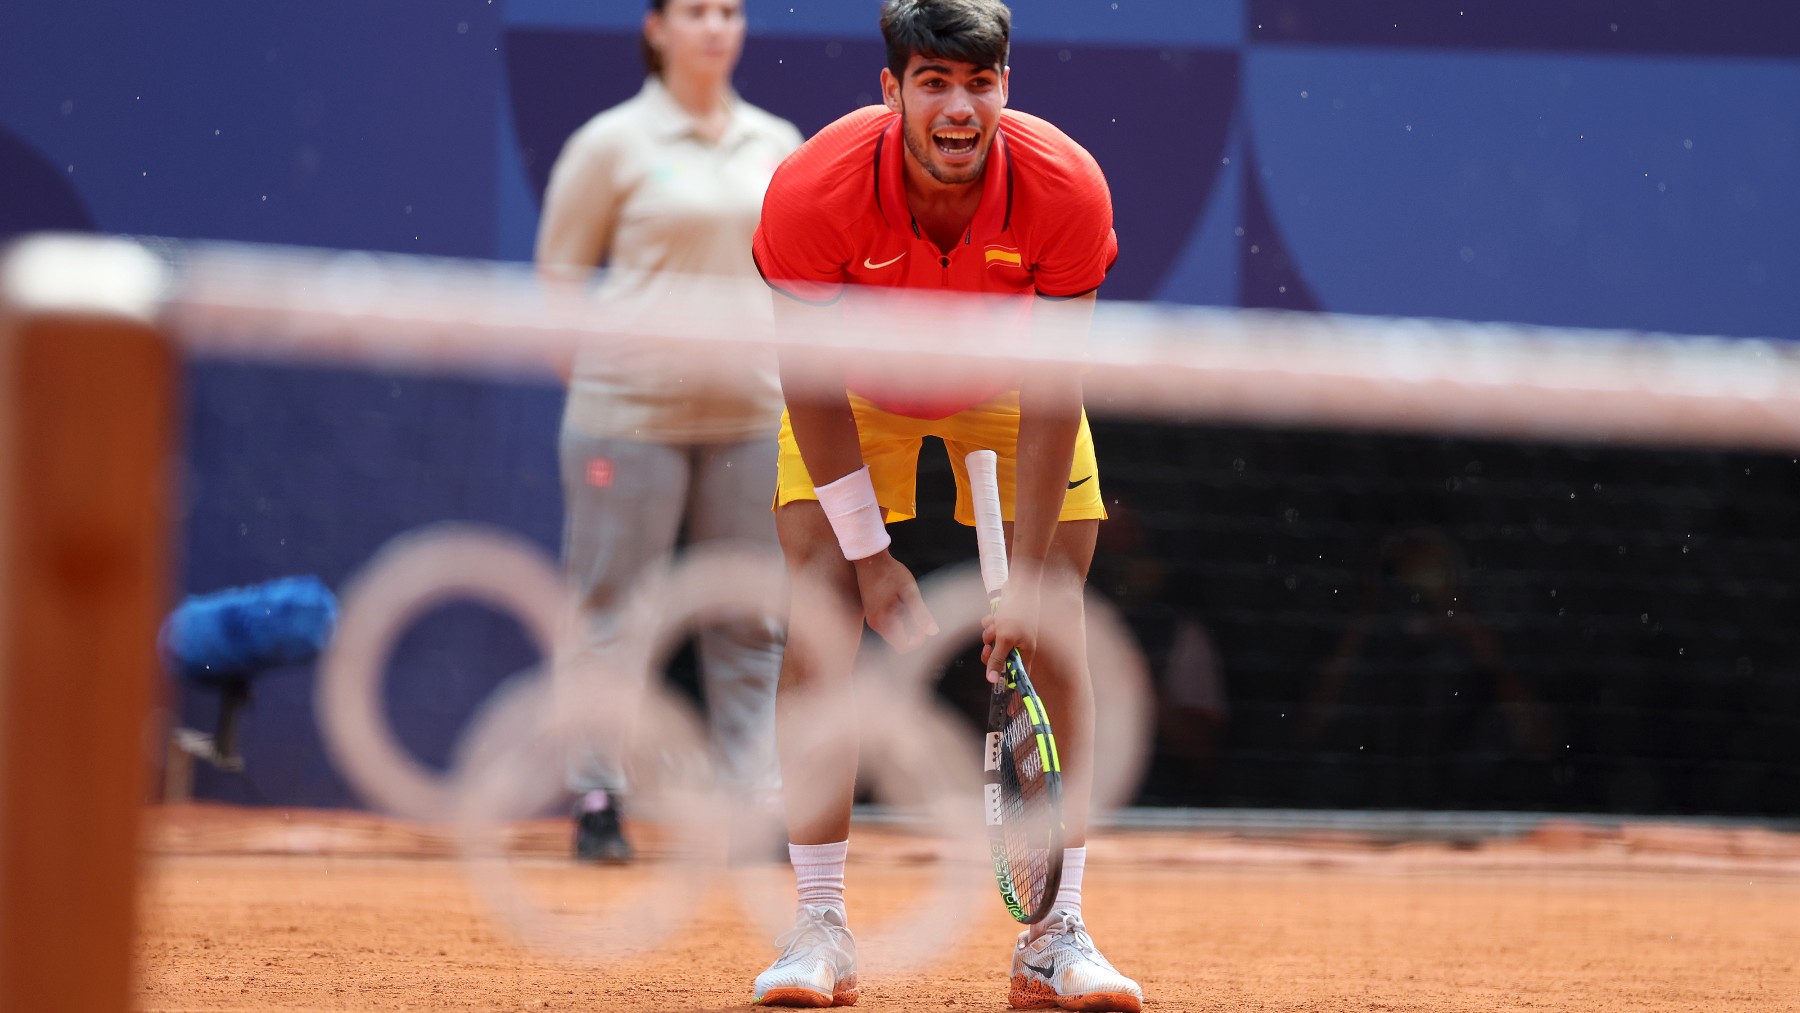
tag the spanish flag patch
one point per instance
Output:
(1002, 255)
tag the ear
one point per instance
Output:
(890, 90)
(653, 28)
(1005, 85)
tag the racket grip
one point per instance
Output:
(990, 536)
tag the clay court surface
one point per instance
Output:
(277, 910)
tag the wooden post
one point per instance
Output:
(88, 424)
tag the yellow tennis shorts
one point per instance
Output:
(890, 447)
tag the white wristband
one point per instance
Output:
(854, 514)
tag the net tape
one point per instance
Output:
(393, 311)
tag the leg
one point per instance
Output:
(1055, 962)
(818, 772)
(815, 715)
(621, 514)
(818, 965)
(739, 662)
(1060, 670)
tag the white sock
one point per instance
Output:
(1068, 893)
(819, 874)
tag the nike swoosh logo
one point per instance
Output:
(1084, 481)
(871, 265)
(1047, 972)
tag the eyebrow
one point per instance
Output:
(945, 69)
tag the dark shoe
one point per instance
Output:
(600, 838)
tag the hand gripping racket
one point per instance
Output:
(1023, 789)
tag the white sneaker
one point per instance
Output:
(1063, 968)
(817, 966)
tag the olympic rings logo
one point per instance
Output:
(919, 758)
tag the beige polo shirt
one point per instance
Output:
(638, 189)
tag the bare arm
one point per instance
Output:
(824, 427)
(818, 402)
(1049, 421)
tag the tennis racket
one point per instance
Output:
(1023, 776)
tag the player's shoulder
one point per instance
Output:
(1047, 159)
(836, 162)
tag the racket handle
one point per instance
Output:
(990, 536)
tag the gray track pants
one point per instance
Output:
(625, 503)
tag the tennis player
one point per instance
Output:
(939, 187)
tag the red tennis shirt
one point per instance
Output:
(836, 214)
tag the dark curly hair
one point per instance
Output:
(972, 31)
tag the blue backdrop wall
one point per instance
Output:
(1599, 163)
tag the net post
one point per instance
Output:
(88, 421)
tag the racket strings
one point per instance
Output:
(1027, 809)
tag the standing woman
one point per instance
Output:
(669, 182)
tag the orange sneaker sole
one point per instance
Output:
(1029, 993)
(844, 996)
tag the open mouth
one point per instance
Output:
(956, 142)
